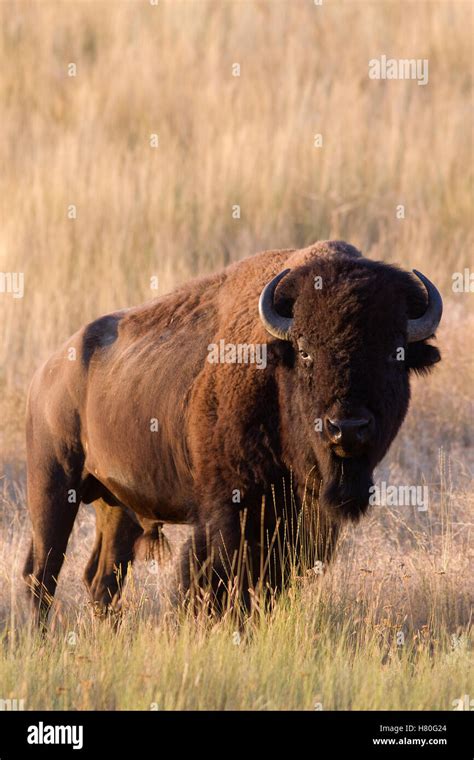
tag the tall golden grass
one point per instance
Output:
(224, 141)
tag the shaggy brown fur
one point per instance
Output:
(227, 434)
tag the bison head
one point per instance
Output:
(350, 331)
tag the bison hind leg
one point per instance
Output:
(52, 517)
(112, 555)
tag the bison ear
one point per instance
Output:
(284, 302)
(420, 357)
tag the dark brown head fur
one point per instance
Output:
(348, 359)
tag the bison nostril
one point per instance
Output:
(348, 432)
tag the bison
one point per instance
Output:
(148, 413)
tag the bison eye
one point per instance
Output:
(303, 354)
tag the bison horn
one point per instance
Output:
(425, 326)
(274, 323)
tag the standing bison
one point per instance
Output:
(158, 414)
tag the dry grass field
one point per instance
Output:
(91, 210)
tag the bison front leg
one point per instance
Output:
(223, 566)
(243, 559)
(208, 565)
(116, 534)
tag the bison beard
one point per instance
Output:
(345, 488)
